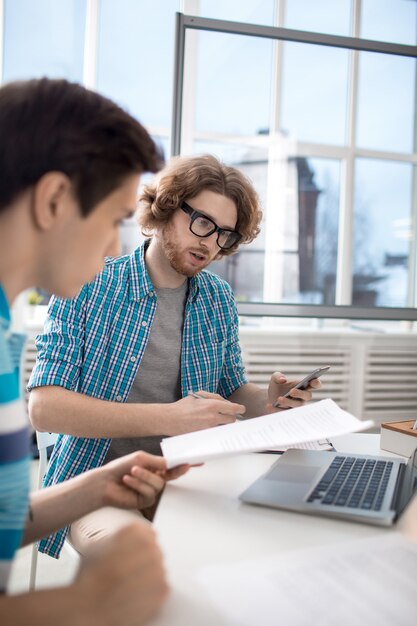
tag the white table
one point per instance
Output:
(201, 521)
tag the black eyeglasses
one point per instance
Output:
(203, 226)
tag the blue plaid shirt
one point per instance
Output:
(94, 344)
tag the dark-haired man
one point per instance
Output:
(153, 326)
(70, 162)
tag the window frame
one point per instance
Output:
(185, 24)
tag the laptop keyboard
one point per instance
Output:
(354, 483)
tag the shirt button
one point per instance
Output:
(133, 359)
(144, 323)
(151, 293)
(119, 398)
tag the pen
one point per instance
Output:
(415, 425)
(195, 395)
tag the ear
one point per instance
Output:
(51, 197)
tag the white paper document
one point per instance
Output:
(322, 444)
(367, 581)
(311, 422)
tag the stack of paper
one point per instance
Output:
(369, 581)
(310, 422)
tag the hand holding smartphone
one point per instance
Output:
(304, 383)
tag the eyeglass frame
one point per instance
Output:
(194, 214)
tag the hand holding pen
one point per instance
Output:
(187, 415)
(200, 397)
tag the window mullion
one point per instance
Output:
(412, 265)
(344, 275)
(1, 40)
(91, 44)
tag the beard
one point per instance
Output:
(173, 254)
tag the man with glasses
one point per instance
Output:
(153, 327)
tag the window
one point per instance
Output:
(135, 58)
(44, 38)
(326, 131)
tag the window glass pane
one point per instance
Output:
(135, 57)
(386, 102)
(326, 179)
(250, 11)
(321, 16)
(43, 38)
(382, 232)
(302, 254)
(232, 80)
(314, 92)
(389, 20)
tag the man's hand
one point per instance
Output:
(122, 581)
(135, 480)
(279, 386)
(206, 411)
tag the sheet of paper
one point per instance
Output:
(367, 581)
(322, 444)
(311, 422)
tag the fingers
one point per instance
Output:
(279, 378)
(315, 383)
(296, 398)
(122, 466)
(176, 472)
(229, 409)
(148, 461)
(146, 484)
(209, 396)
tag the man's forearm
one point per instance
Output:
(56, 409)
(55, 507)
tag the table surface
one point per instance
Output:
(201, 521)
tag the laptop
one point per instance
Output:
(354, 487)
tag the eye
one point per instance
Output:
(204, 223)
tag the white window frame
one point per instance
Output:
(347, 154)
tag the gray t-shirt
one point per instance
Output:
(159, 375)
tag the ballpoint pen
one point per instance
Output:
(415, 425)
(195, 395)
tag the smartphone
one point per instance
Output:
(303, 384)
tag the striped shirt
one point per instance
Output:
(94, 344)
(14, 446)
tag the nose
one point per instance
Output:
(211, 241)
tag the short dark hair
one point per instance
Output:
(54, 125)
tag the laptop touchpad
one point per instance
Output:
(293, 473)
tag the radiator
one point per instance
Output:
(372, 375)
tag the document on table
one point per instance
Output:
(367, 581)
(311, 422)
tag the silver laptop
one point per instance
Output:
(363, 488)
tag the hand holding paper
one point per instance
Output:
(288, 428)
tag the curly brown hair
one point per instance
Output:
(186, 177)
